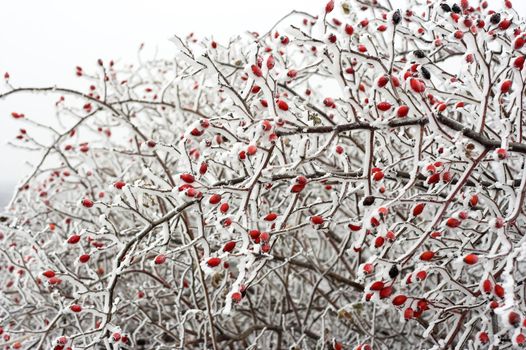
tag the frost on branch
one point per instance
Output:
(352, 180)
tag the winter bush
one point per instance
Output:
(353, 180)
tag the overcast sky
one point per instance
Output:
(42, 42)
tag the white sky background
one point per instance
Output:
(41, 42)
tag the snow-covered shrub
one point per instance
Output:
(353, 180)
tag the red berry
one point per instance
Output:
(227, 222)
(73, 239)
(423, 305)
(75, 308)
(256, 70)
(431, 168)
(251, 150)
(382, 81)
(499, 291)
(354, 227)
(519, 43)
(223, 208)
(302, 180)
(483, 337)
(297, 188)
(329, 102)
(236, 297)
(471, 259)
(337, 345)
(317, 219)
(270, 62)
(329, 7)
(417, 85)
(519, 62)
(453, 222)
(49, 273)
(399, 300)
(119, 185)
(501, 153)
(151, 143)
(402, 111)
(487, 287)
(229, 246)
(270, 217)
(203, 168)
(418, 209)
(188, 178)
(386, 292)
(266, 125)
(349, 29)
(254, 234)
(87, 203)
(436, 234)
(378, 285)
(84, 258)
(514, 319)
(283, 105)
(504, 24)
(473, 201)
(377, 176)
(408, 313)
(379, 242)
(214, 199)
(384, 106)
(213, 262)
(368, 268)
(427, 255)
(433, 179)
(421, 275)
(160, 259)
(505, 86)
(446, 176)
